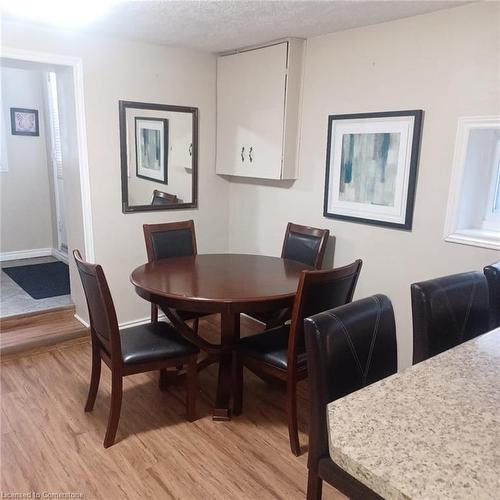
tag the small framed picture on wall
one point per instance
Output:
(151, 148)
(371, 167)
(24, 121)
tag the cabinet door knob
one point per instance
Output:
(250, 152)
(242, 153)
(191, 149)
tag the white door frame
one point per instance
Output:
(75, 63)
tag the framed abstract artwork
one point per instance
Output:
(371, 167)
(151, 146)
(24, 121)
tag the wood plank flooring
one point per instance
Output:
(26, 331)
(48, 443)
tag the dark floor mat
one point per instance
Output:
(41, 280)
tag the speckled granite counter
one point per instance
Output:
(431, 432)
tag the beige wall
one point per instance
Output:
(26, 214)
(446, 63)
(114, 69)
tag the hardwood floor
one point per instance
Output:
(48, 443)
(26, 331)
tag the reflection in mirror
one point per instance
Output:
(158, 146)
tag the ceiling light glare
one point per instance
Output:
(59, 12)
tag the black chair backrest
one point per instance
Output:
(173, 239)
(448, 311)
(348, 348)
(305, 244)
(319, 291)
(492, 273)
(103, 321)
(161, 198)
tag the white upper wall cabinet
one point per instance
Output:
(258, 97)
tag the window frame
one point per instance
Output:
(486, 236)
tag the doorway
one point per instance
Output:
(35, 273)
(48, 212)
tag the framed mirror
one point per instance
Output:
(159, 156)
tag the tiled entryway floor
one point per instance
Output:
(14, 300)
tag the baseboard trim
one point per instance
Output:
(31, 254)
(25, 254)
(63, 257)
(81, 320)
(125, 324)
(253, 319)
(142, 321)
(137, 322)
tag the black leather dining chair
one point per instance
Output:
(492, 273)
(303, 244)
(448, 311)
(162, 198)
(348, 348)
(280, 352)
(143, 348)
(167, 240)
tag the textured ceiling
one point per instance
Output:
(224, 25)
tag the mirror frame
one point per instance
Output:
(123, 105)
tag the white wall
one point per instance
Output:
(445, 63)
(26, 212)
(114, 69)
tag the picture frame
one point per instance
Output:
(371, 167)
(151, 148)
(24, 122)
(127, 111)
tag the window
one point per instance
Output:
(473, 216)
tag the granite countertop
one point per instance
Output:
(430, 432)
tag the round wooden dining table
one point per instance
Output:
(227, 284)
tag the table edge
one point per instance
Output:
(381, 484)
(206, 300)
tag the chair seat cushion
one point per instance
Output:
(271, 347)
(153, 342)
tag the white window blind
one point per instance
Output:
(54, 123)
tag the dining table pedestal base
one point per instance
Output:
(225, 284)
(221, 415)
(230, 334)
